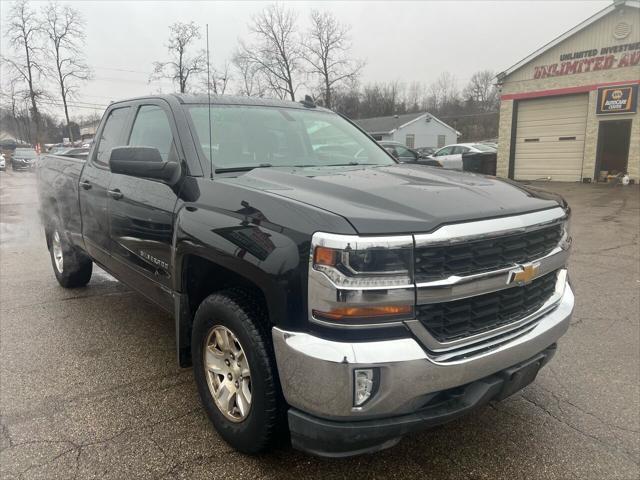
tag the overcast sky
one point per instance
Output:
(402, 41)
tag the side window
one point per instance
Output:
(111, 135)
(151, 128)
(404, 152)
(462, 149)
(443, 151)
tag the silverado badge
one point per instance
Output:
(523, 274)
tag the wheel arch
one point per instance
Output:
(201, 275)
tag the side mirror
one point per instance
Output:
(143, 162)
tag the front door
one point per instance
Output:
(94, 183)
(141, 210)
(613, 148)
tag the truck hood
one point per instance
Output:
(400, 198)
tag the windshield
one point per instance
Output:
(248, 137)
(484, 148)
(25, 152)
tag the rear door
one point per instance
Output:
(455, 159)
(447, 158)
(141, 211)
(94, 182)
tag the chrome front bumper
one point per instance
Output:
(317, 374)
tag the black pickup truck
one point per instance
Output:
(319, 288)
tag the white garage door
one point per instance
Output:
(550, 138)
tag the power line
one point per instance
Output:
(121, 70)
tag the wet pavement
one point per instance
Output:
(89, 386)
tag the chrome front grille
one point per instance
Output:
(484, 255)
(463, 318)
(468, 301)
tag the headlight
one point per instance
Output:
(371, 262)
(355, 281)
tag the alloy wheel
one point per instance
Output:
(228, 373)
(56, 246)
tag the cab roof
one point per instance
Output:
(227, 100)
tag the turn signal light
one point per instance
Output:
(342, 313)
(325, 256)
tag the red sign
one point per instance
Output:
(593, 64)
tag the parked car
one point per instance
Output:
(450, 157)
(3, 164)
(75, 152)
(425, 151)
(24, 159)
(352, 301)
(54, 149)
(401, 152)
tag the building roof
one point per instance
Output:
(390, 123)
(581, 26)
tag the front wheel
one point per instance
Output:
(72, 268)
(235, 370)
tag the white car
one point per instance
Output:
(450, 157)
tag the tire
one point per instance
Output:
(261, 424)
(72, 267)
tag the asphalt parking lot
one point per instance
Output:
(89, 386)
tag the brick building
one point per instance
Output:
(568, 111)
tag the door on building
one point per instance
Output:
(614, 137)
(549, 138)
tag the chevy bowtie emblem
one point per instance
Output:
(523, 274)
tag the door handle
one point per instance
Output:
(86, 184)
(115, 194)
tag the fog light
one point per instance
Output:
(364, 383)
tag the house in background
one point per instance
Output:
(411, 129)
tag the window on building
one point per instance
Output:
(442, 139)
(410, 140)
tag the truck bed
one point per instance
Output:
(58, 177)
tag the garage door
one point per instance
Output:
(550, 138)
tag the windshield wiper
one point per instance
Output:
(242, 169)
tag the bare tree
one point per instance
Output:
(219, 80)
(443, 91)
(16, 116)
(482, 91)
(23, 33)
(276, 54)
(327, 47)
(251, 83)
(182, 66)
(64, 28)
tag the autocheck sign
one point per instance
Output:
(617, 99)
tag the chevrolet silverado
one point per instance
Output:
(319, 288)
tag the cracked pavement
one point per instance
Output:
(89, 386)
